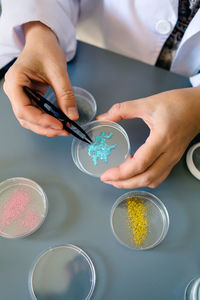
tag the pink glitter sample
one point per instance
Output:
(31, 220)
(13, 208)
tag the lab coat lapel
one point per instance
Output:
(192, 29)
(187, 59)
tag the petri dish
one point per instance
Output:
(139, 220)
(23, 207)
(85, 102)
(62, 272)
(193, 160)
(192, 291)
(118, 154)
(86, 105)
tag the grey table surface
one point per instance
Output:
(80, 205)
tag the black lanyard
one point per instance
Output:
(186, 12)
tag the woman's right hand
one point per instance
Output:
(41, 64)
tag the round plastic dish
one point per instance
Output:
(117, 155)
(193, 160)
(85, 102)
(192, 291)
(23, 207)
(156, 216)
(86, 105)
(62, 272)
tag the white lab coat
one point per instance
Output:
(135, 28)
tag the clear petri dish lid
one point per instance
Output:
(23, 207)
(85, 102)
(139, 220)
(111, 148)
(86, 105)
(192, 291)
(62, 272)
(193, 160)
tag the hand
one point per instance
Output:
(173, 119)
(41, 64)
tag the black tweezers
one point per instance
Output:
(52, 110)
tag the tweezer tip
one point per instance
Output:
(91, 141)
(87, 141)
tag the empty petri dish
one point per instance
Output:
(23, 207)
(62, 272)
(193, 160)
(192, 291)
(86, 105)
(139, 220)
(85, 102)
(111, 151)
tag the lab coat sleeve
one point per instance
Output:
(195, 80)
(60, 15)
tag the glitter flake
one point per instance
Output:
(99, 149)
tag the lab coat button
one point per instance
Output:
(163, 27)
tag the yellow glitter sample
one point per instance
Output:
(137, 220)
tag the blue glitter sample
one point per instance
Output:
(99, 149)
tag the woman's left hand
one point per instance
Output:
(173, 119)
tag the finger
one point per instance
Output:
(35, 116)
(161, 178)
(124, 110)
(61, 84)
(144, 157)
(43, 131)
(137, 182)
(25, 110)
(150, 178)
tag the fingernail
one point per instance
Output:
(105, 178)
(64, 134)
(56, 127)
(100, 117)
(72, 112)
(108, 182)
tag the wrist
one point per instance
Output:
(192, 98)
(197, 93)
(37, 32)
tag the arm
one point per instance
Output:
(59, 15)
(41, 63)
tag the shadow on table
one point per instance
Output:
(63, 211)
(183, 209)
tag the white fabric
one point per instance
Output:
(195, 80)
(59, 15)
(129, 27)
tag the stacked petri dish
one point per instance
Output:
(85, 102)
(23, 207)
(193, 160)
(192, 291)
(86, 105)
(139, 220)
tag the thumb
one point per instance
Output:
(123, 110)
(64, 94)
